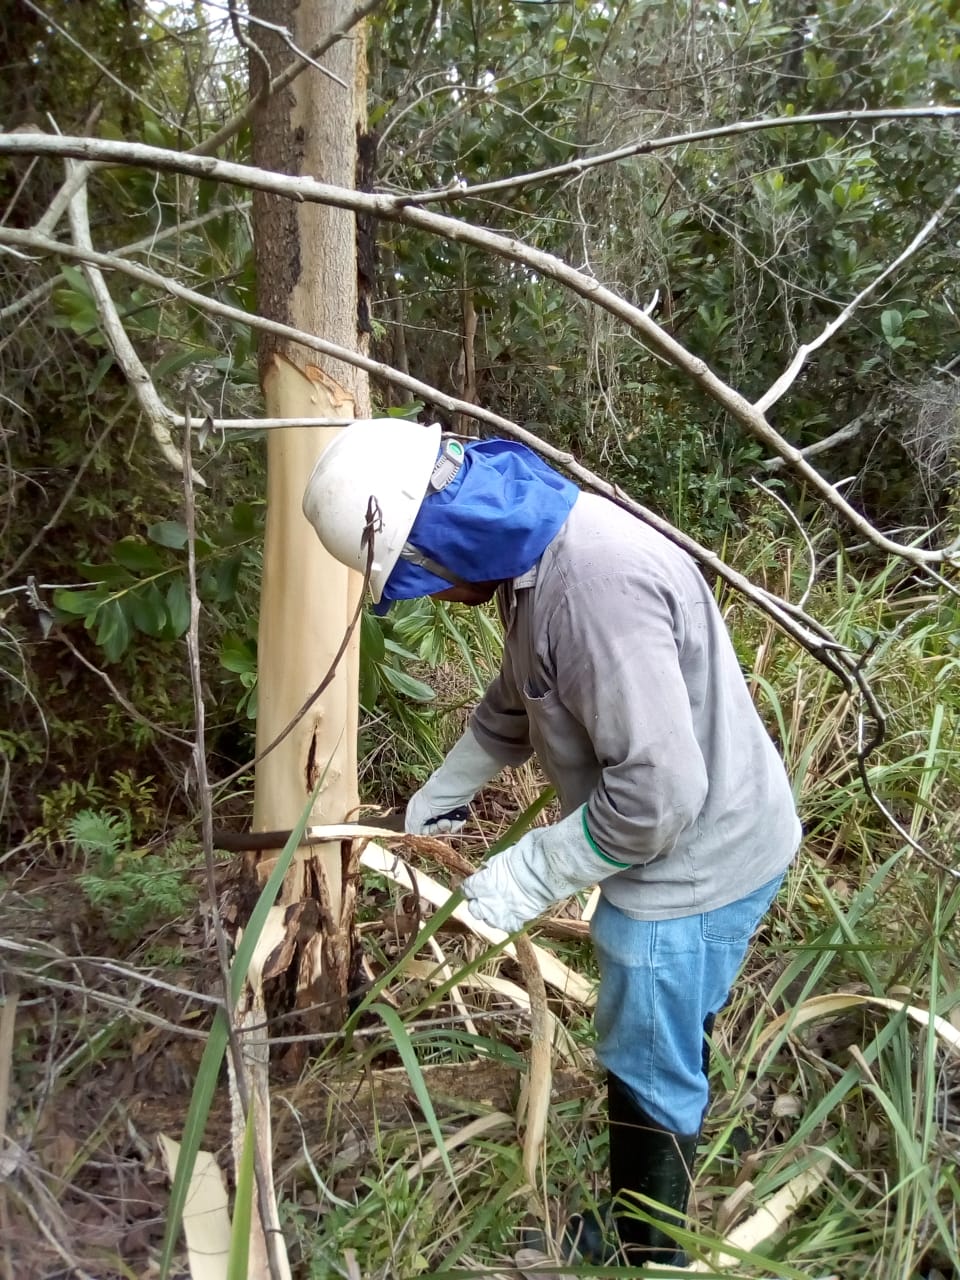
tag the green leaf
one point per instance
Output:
(113, 630)
(112, 575)
(408, 1057)
(238, 655)
(178, 606)
(525, 821)
(410, 688)
(226, 578)
(369, 685)
(891, 322)
(137, 556)
(147, 609)
(371, 637)
(168, 533)
(246, 518)
(80, 603)
(104, 364)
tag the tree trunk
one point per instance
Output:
(306, 257)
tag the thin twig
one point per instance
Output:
(233, 126)
(8, 1019)
(287, 39)
(64, 502)
(849, 432)
(790, 374)
(647, 146)
(124, 701)
(801, 533)
(123, 349)
(265, 1191)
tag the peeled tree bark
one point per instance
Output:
(306, 257)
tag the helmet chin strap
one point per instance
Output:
(448, 464)
(417, 557)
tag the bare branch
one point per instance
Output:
(397, 210)
(849, 432)
(146, 244)
(648, 146)
(805, 631)
(156, 412)
(265, 1194)
(287, 39)
(789, 376)
(125, 702)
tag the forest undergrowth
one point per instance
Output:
(830, 1147)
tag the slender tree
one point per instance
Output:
(306, 260)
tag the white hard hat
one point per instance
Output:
(389, 460)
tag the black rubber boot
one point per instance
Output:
(648, 1160)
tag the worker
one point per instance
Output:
(619, 674)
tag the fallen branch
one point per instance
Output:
(556, 974)
(806, 631)
(791, 373)
(153, 408)
(397, 209)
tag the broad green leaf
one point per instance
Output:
(407, 685)
(113, 630)
(112, 575)
(147, 609)
(371, 638)
(168, 533)
(239, 655)
(226, 578)
(80, 603)
(891, 322)
(369, 690)
(246, 518)
(137, 556)
(178, 606)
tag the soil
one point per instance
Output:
(104, 1059)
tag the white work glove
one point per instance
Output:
(545, 866)
(467, 768)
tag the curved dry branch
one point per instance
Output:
(792, 372)
(397, 210)
(806, 631)
(153, 408)
(647, 146)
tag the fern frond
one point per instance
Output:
(99, 832)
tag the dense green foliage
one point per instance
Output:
(751, 243)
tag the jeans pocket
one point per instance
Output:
(737, 921)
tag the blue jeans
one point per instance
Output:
(659, 982)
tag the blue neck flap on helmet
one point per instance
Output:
(492, 522)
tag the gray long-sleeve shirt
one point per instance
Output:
(619, 673)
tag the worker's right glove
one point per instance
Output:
(545, 866)
(467, 768)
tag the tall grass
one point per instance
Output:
(864, 1093)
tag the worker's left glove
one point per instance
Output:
(545, 866)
